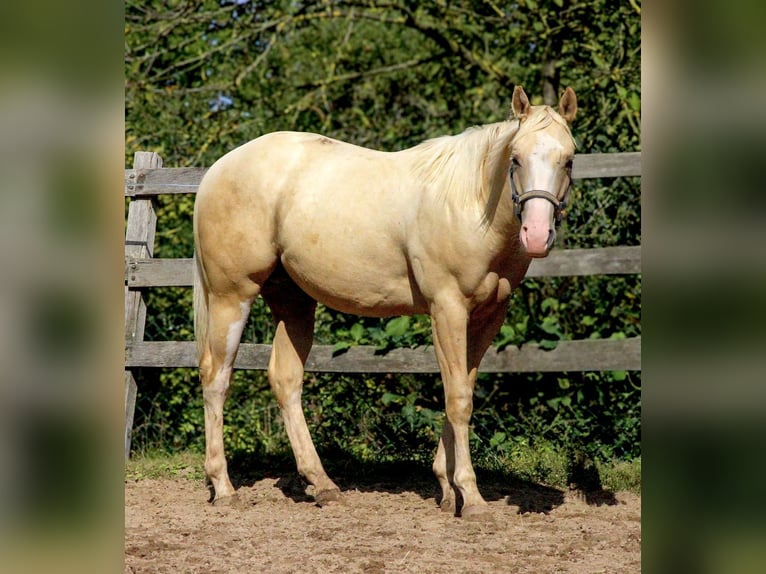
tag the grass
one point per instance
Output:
(158, 464)
(542, 465)
(545, 464)
(621, 475)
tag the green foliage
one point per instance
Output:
(375, 418)
(204, 76)
(157, 464)
(397, 332)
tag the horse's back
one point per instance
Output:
(331, 212)
(284, 161)
(285, 173)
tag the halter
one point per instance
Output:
(520, 198)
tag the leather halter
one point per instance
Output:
(520, 198)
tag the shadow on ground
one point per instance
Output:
(397, 477)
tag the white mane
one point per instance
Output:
(468, 166)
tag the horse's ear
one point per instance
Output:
(520, 103)
(568, 105)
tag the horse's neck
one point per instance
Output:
(498, 216)
(468, 173)
(495, 196)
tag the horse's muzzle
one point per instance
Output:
(537, 240)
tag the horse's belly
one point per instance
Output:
(374, 285)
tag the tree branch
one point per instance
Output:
(374, 72)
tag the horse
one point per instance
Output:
(446, 228)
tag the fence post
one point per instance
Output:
(139, 244)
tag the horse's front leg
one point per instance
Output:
(482, 328)
(452, 465)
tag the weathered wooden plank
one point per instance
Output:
(158, 272)
(139, 244)
(584, 355)
(131, 389)
(365, 359)
(147, 182)
(581, 355)
(140, 232)
(592, 165)
(140, 229)
(623, 260)
(135, 315)
(141, 273)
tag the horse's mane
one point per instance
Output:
(472, 167)
(460, 166)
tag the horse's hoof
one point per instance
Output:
(232, 500)
(447, 505)
(328, 497)
(477, 512)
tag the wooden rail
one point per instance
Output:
(148, 181)
(147, 272)
(148, 178)
(583, 355)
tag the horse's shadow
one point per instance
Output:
(398, 477)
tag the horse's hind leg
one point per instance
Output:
(227, 318)
(444, 468)
(294, 317)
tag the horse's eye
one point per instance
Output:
(515, 162)
(568, 165)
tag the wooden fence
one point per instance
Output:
(148, 178)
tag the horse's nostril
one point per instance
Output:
(551, 237)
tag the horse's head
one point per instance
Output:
(541, 168)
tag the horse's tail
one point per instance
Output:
(200, 307)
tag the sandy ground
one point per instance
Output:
(385, 525)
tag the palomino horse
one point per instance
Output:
(447, 228)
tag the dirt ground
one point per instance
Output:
(386, 525)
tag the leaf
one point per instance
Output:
(548, 345)
(507, 335)
(598, 60)
(550, 303)
(497, 439)
(383, 346)
(389, 398)
(398, 326)
(408, 413)
(357, 331)
(551, 326)
(340, 347)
